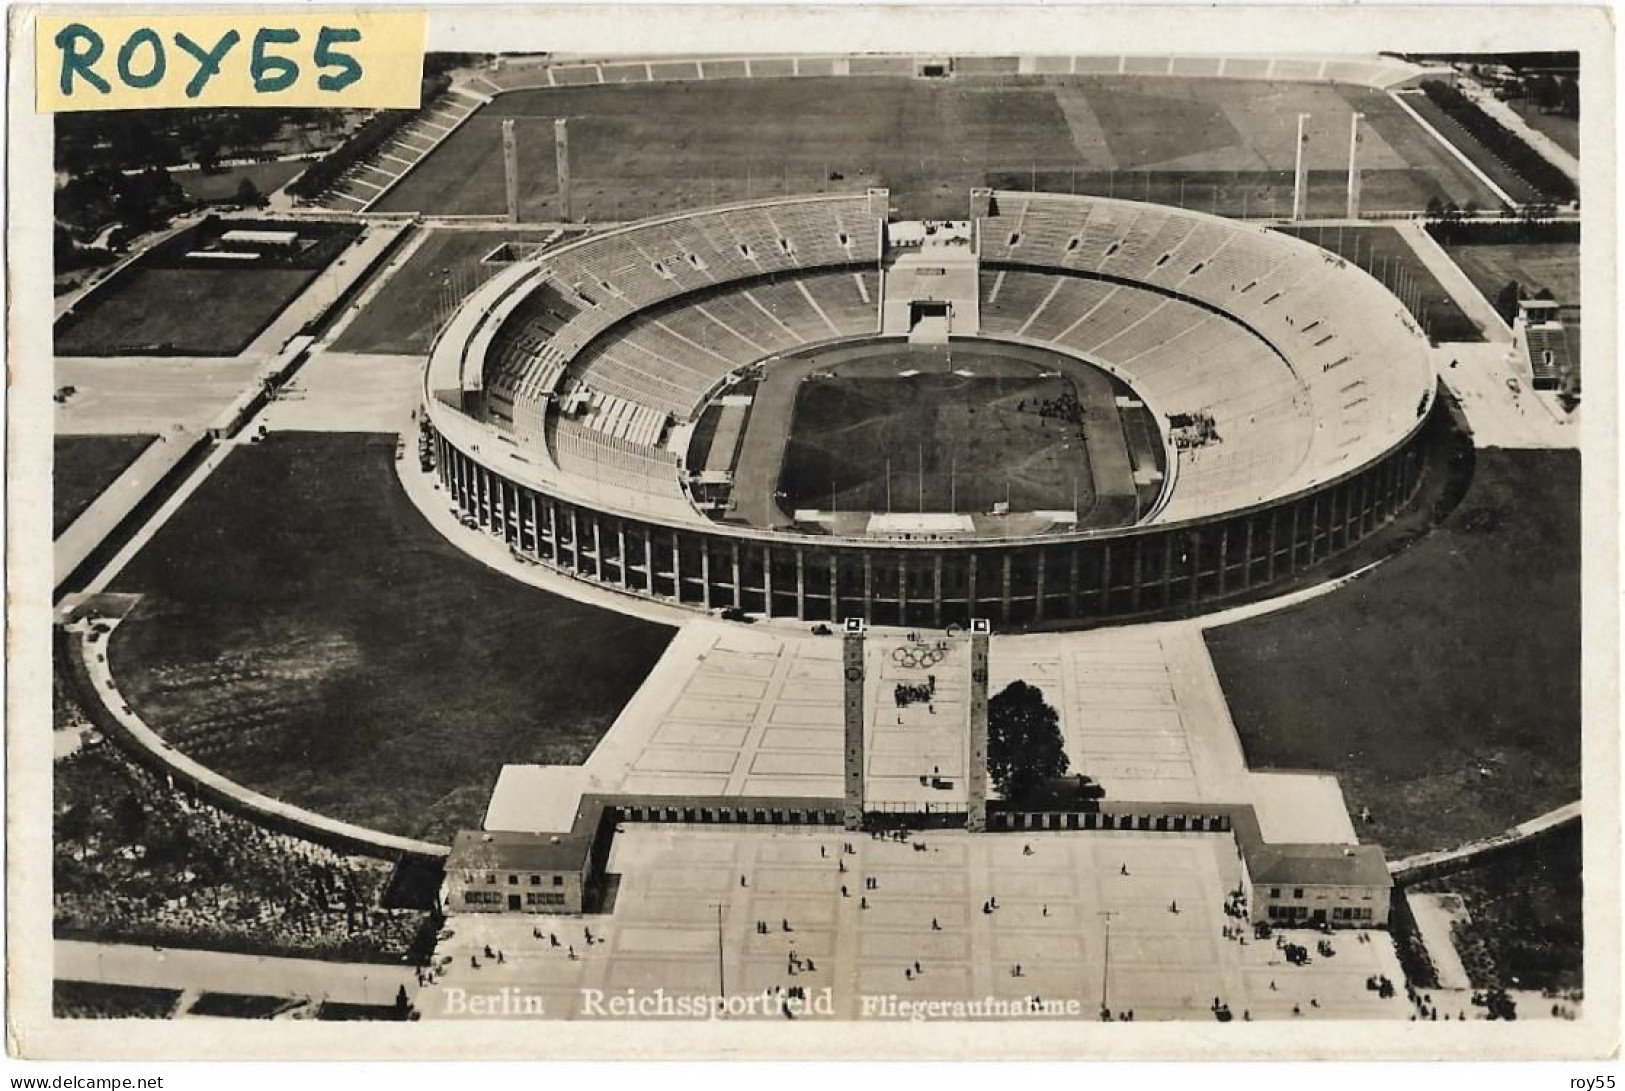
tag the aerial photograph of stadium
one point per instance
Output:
(862, 536)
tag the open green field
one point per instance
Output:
(1384, 253)
(639, 150)
(82, 468)
(417, 297)
(1554, 266)
(222, 185)
(304, 631)
(1563, 131)
(182, 312)
(168, 304)
(1460, 654)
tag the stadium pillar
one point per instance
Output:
(767, 580)
(936, 590)
(801, 584)
(561, 156)
(852, 662)
(1354, 166)
(510, 167)
(739, 585)
(976, 768)
(1004, 588)
(1299, 197)
(705, 573)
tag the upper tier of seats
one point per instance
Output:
(579, 292)
(1303, 366)
(1310, 368)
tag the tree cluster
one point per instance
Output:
(1501, 142)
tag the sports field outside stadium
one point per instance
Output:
(334, 651)
(1212, 144)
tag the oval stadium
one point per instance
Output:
(1058, 409)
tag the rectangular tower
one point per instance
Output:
(976, 772)
(561, 154)
(852, 705)
(1300, 195)
(510, 165)
(1354, 166)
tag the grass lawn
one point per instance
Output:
(82, 467)
(410, 307)
(848, 432)
(304, 631)
(222, 186)
(1382, 251)
(1461, 653)
(1534, 265)
(181, 312)
(640, 150)
(1525, 906)
(169, 304)
(93, 1000)
(1563, 131)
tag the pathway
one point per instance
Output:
(186, 969)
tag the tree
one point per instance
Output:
(1507, 301)
(1024, 746)
(248, 193)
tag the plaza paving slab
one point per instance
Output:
(343, 392)
(681, 900)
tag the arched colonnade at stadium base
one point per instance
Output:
(1321, 406)
(1064, 578)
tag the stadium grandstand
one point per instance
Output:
(1289, 388)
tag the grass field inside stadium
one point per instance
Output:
(1443, 688)
(332, 650)
(170, 302)
(415, 299)
(934, 443)
(641, 150)
(1383, 252)
(81, 469)
(877, 427)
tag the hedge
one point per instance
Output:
(1501, 142)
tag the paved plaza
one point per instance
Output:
(1044, 944)
(756, 711)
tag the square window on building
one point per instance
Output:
(535, 880)
(491, 878)
(513, 880)
(558, 880)
(1297, 892)
(1275, 892)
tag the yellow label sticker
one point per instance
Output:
(370, 59)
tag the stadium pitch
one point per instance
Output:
(889, 427)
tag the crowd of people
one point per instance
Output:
(1065, 408)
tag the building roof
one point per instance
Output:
(1305, 864)
(477, 850)
(1319, 865)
